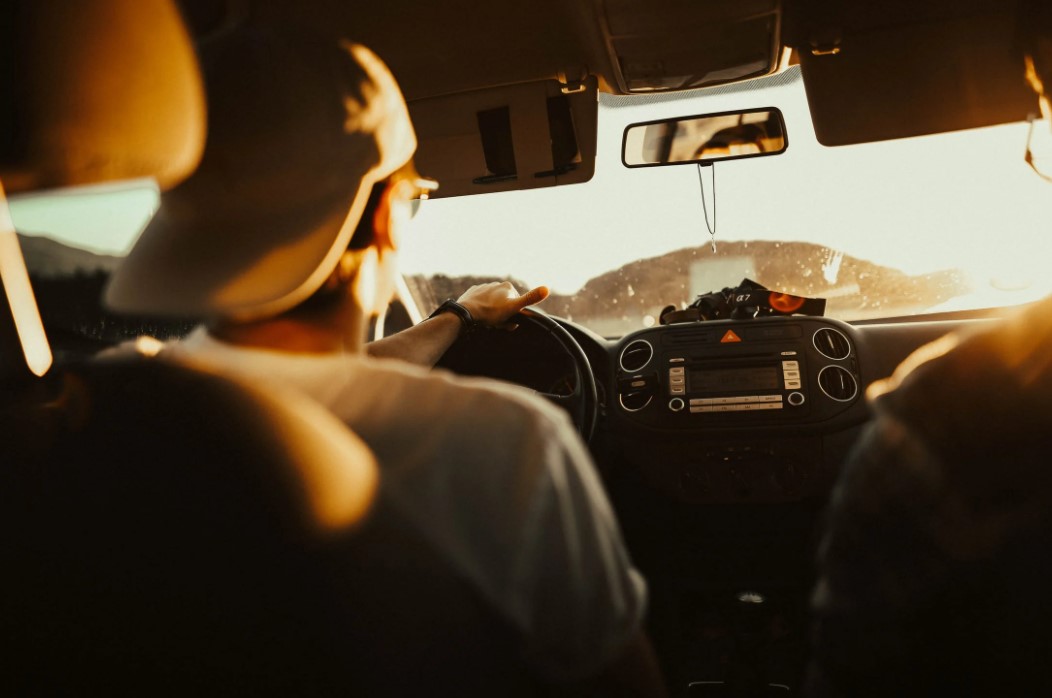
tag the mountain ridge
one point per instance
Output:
(49, 258)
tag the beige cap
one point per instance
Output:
(299, 129)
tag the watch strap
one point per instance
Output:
(467, 323)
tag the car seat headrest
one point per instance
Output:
(97, 91)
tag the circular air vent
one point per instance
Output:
(838, 383)
(635, 400)
(636, 355)
(832, 343)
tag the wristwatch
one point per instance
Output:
(467, 323)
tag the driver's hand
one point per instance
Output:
(493, 304)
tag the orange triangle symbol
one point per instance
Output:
(730, 337)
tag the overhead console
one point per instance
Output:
(682, 45)
(767, 372)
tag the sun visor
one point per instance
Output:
(525, 136)
(898, 75)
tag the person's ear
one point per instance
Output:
(385, 223)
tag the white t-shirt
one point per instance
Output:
(496, 478)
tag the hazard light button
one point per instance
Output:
(730, 336)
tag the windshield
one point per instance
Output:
(948, 222)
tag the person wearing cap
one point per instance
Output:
(255, 251)
(934, 571)
(285, 240)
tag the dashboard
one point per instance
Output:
(735, 411)
(770, 372)
(724, 411)
(719, 444)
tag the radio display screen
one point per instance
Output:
(724, 380)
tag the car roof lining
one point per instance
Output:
(914, 59)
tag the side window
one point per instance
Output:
(72, 240)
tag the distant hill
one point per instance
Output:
(852, 286)
(50, 258)
(797, 267)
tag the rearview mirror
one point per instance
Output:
(705, 138)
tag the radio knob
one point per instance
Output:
(796, 399)
(676, 404)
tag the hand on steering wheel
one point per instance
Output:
(496, 303)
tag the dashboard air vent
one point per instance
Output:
(635, 400)
(838, 383)
(832, 344)
(636, 355)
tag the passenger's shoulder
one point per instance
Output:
(999, 365)
(961, 403)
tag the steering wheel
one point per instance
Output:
(581, 403)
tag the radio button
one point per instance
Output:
(702, 408)
(677, 390)
(677, 360)
(792, 385)
(791, 375)
(703, 401)
(791, 365)
(771, 398)
(769, 406)
(677, 371)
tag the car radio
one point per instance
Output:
(706, 385)
(727, 373)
